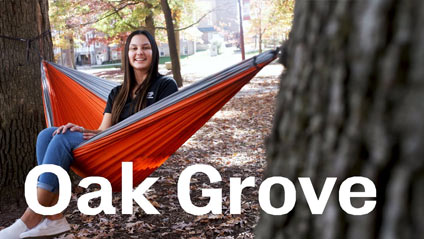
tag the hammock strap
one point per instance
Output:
(28, 42)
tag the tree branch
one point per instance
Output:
(186, 27)
(119, 15)
(105, 16)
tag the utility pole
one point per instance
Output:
(241, 32)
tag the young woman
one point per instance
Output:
(142, 86)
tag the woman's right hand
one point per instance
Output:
(69, 126)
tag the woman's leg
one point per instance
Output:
(58, 152)
(55, 150)
(45, 198)
(43, 141)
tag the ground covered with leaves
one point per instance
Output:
(233, 143)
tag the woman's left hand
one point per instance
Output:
(88, 134)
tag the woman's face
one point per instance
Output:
(140, 53)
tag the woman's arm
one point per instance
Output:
(106, 123)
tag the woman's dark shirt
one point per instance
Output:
(161, 87)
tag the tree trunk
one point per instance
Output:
(351, 104)
(21, 115)
(175, 60)
(177, 33)
(72, 49)
(177, 40)
(69, 60)
(149, 22)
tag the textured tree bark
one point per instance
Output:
(69, 59)
(175, 15)
(351, 104)
(172, 43)
(149, 22)
(21, 115)
(177, 40)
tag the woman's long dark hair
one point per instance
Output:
(129, 79)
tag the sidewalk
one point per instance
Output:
(201, 65)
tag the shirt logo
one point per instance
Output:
(150, 95)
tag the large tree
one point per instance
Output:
(172, 43)
(21, 114)
(351, 104)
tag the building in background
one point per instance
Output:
(187, 48)
(221, 22)
(95, 51)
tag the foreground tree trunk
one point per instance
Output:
(175, 60)
(351, 104)
(21, 114)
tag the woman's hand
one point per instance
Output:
(88, 134)
(69, 126)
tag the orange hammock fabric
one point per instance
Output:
(70, 102)
(147, 142)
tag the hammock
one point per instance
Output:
(146, 138)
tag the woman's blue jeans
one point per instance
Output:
(55, 150)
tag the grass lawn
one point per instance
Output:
(164, 59)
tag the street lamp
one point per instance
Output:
(241, 32)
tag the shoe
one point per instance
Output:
(48, 228)
(14, 230)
